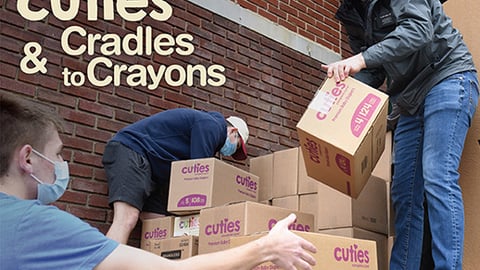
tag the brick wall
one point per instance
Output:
(311, 19)
(268, 84)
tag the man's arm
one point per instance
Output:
(280, 246)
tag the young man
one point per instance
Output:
(432, 79)
(37, 236)
(137, 160)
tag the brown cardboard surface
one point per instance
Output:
(177, 248)
(201, 183)
(291, 202)
(380, 240)
(219, 224)
(342, 134)
(154, 230)
(285, 172)
(333, 252)
(262, 167)
(372, 210)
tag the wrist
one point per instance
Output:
(265, 247)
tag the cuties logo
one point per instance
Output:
(294, 226)
(223, 227)
(329, 100)
(156, 233)
(351, 254)
(313, 149)
(195, 169)
(246, 182)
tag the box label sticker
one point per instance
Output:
(363, 113)
(192, 200)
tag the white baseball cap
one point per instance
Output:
(242, 128)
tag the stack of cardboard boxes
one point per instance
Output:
(218, 206)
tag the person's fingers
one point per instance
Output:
(303, 264)
(307, 258)
(309, 246)
(346, 72)
(336, 73)
(328, 69)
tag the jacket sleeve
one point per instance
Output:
(207, 136)
(413, 31)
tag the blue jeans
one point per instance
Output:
(428, 148)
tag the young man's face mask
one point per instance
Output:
(48, 193)
(229, 148)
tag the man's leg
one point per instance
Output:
(125, 218)
(129, 184)
(449, 108)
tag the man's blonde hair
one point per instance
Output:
(23, 122)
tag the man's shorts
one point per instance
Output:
(130, 180)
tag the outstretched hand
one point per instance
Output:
(290, 251)
(344, 68)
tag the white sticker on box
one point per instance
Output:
(322, 102)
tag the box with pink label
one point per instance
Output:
(342, 134)
(199, 183)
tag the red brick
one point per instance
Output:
(87, 159)
(77, 117)
(89, 186)
(87, 212)
(93, 134)
(74, 197)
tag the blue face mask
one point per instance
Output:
(48, 193)
(228, 148)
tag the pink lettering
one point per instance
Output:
(313, 150)
(156, 233)
(224, 226)
(363, 113)
(335, 92)
(246, 182)
(351, 254)
(294, 226)
(195, 168)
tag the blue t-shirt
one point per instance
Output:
(35, 236)
(176, 134)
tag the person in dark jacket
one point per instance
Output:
(431, 78)
(137, 160)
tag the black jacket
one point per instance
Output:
(411, 42)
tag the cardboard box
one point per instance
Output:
(333, 252)
(187, 225)
(291, 202)
(200, 183)
(155, 230)
(380, 240)
(177, 248)
(285, 173)
(390, 241)
(262, 167)
(342, 134)
(290, 175)
(306, 184)
(219, 224)
(383, 169)
(372, 210)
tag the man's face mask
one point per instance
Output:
(48, 193)
(229, 148)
